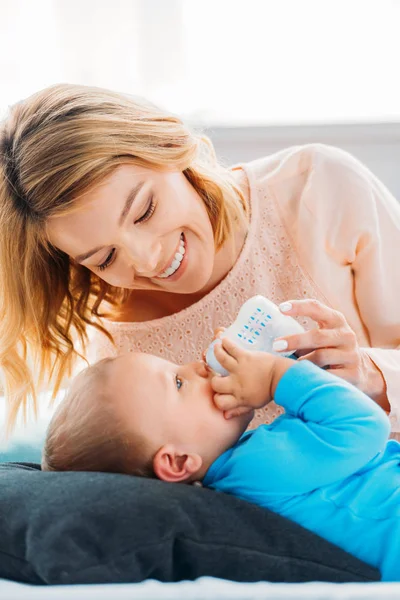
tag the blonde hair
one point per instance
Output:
(86, 434)
(54, 147)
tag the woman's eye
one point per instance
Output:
(107, 262)
(179, 382)
(149, 212)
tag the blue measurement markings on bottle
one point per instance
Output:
(254, 326)
(259, 319)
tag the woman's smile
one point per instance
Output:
(176, 266)
(150, 253)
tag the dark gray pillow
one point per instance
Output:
(59, 528)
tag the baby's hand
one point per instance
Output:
(252, 380)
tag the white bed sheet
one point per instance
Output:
(203, 588)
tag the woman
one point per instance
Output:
(114, 214)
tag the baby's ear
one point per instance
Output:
(173, 465)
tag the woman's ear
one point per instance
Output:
(173, 465)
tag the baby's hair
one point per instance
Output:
(86, 434)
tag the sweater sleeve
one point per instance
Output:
(339, 429)
(330, 431)
(352, 226)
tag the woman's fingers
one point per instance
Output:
(303, 352)
(329, 356)
(347, 375)
(325, 316)
(314, 338)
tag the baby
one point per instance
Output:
(326, 463)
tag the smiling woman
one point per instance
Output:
(121, 218)
(134, 241)
(99, 195)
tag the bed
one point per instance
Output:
(77, 532)
(202, 588)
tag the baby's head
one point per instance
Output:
(141, 415)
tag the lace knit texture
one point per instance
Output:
(268, 264)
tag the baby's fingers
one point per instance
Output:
(218, 331)
(222, 385)
(217, 334)
(236, 412)
(222, 356)
(225, 401)
(232, 349)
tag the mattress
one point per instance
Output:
(203, 588)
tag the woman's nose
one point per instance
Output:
(144, 255)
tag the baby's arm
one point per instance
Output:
(330, 429)
(337, 428)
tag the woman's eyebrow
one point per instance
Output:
(128, 203)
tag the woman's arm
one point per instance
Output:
(346, 229)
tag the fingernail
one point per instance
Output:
(285, 307)
(279, 345)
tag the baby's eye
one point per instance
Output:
(179, 382)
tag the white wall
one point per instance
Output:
(377, 145)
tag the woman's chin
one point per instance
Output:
(191, 285)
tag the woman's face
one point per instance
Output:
(140, 229)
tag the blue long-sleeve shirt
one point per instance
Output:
(326, 464)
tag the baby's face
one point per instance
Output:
(169, 403)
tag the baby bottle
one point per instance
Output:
(257, 325)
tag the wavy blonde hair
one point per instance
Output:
(54, 147)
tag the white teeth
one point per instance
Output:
(176, 262)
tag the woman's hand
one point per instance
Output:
(252, 380)
(334, 347)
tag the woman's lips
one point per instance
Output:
(182, 267)
(169, 263)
